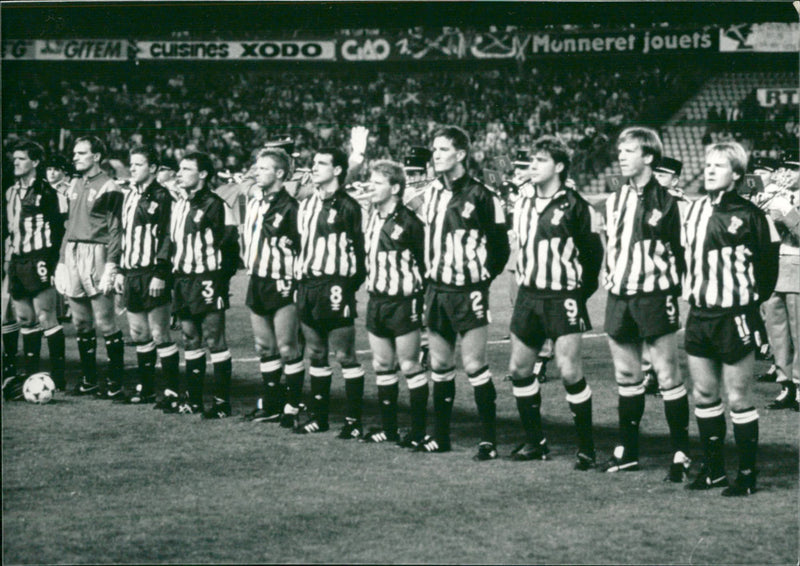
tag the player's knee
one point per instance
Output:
(410, 367)
(82, 325)
(47, 319)
(627, 376)
(140, 334)
(382, 365)
(106, 323)
(288, 350)
(160, 333)
(216, 343)
(518, 370)
(738, 400)
(473, 365)
(344, 357)
(569, 370)
(27, 319)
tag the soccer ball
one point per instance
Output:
(39, 388)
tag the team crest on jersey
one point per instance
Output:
(92, 195)
(558, 214)
(332, 216)
(397, 232)
(468, 208)
(152, 208)
(277, 221)
(736, 223)
(655, 216)
(197, 216)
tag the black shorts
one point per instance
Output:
(390, 317)
(265, 296)
(200, 294)
(726, 336)
(637, 318)
(30, 275)
(449, 313)
(136, 292)
(326, 304)
(537, 318)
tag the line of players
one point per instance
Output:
(306, 261)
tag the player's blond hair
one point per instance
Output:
(734, 152)
(648, 140)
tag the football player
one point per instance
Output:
(329, 270)
(732, 266)
(395, 258)
(204, 254)
(271, 245)
(644, 262)
(88, 265)
(466, 247)
(558, 262)
(35, 230)
(144, 278)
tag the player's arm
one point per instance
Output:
(587, 230)
(224, 227)
(416, 236)
(290, 221)
(162, 256)
(51, 209)
(492, 217)
(672, 233)
(766, 255)
(356, 232)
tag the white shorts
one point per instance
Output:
(85, 263)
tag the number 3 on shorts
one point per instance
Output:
(208, 289)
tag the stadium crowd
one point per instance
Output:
(226, 115)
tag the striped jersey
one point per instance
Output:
(95, 205)
(559, 242)
(146, 214)
(271, 241)
(203, 235)
(331, 238)
(466, 240)
(732, 252)
(395, 246)
(643, 233)
(33, 219)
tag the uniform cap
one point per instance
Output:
(285, 143)
(669, 165)
(522, 157)
(57, 162)
(765, 163)
(791, 159)
(417, 158)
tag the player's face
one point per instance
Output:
(765, 174)
(54, 175)
(266, 172)
(665, 179)
(543, 168)
(445, 156)
(522, 174)
(141, 170)
(164, 176)
(381, 190)
(82, 156)
(322, 170)
(189, 175)
(718, 173)
(632, 160)
(22, 163)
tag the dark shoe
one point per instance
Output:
(742, 486)
(187, 408)
(259, 415)
(85, 387)
(527, 452)
(409, 440)
(786, 400)
(651, 383)
(116, 394)
(679, 469)
(584, 462)
(379, 435)
(290, 419)
(218, 411)
(172, 404)
(166, 401)
(351, 429)
(12, 387)
(486, 451)
(311, 427)
(433, 445)
(141, 397)
(620, 463)
(769, 376)
(705, 480)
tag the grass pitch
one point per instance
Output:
(86, 481)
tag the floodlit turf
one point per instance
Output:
(86, 481)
